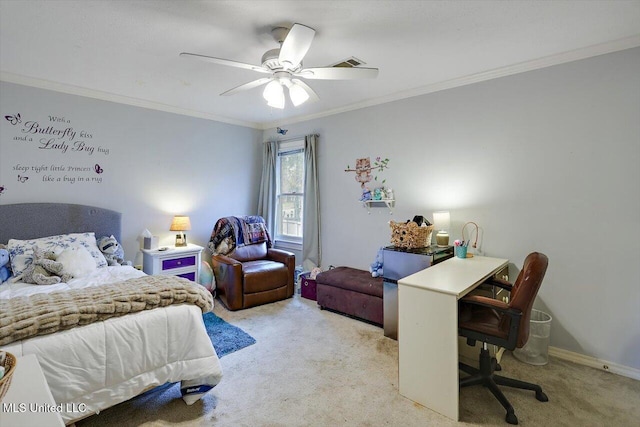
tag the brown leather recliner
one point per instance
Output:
(504, 324)
(253, 275)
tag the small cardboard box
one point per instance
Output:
(308, 288)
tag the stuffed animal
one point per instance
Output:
(314, 272)
(111, 249)
(366, 194)
(377, 193)
(376, 266)
(4, 260)
(388, 193)
(44, 269)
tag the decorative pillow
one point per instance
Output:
(21, 251)
(77, 261)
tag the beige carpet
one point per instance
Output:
(317, 368)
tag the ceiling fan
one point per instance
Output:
(285, 68)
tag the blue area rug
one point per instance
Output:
(225, 337)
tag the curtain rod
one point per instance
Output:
(293, 138)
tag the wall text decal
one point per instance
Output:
(56, 134)
(60, 173)
(54, 137)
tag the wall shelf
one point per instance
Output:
(389, 203)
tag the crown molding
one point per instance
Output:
(547, 61)
(106, 96)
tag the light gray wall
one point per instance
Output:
(546, 160)
(159, 164)
(543, 161)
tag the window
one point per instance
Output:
(290, 191)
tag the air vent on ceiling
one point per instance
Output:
(349, 63)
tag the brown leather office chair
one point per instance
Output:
(252, 273)
(495, 322)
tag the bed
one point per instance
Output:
(106, 362)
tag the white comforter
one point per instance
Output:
(105, 363)
(100, 276)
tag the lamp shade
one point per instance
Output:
(180, 223)
(441, 220)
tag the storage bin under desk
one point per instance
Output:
(399, 263)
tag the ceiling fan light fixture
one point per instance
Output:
(297, 94)
(271, 90)
(277, 103)
(274, 94)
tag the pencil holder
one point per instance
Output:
(461, 251)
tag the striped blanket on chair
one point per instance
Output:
(232, 231)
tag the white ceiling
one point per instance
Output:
(127, 51)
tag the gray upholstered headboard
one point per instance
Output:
(32, 220)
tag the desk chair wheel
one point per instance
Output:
(495, 366)
(511, 418)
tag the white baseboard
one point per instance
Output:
(592, 362)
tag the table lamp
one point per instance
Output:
(442, 222)
(180, 223)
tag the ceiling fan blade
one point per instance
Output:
(338, 73)
(227, 62)
(313, 96)
(247, 86)
(295, 45)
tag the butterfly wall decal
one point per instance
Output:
(282, 131)
(98, 169)
(22, 179)
(1, 189)
(14, 120)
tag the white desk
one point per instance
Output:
(28, 401)
(428, 329)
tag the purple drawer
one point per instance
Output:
(190, 276)
(178, 262)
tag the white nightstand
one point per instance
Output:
(28, 401)
(176, 261)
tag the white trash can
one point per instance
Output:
(536, 350)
